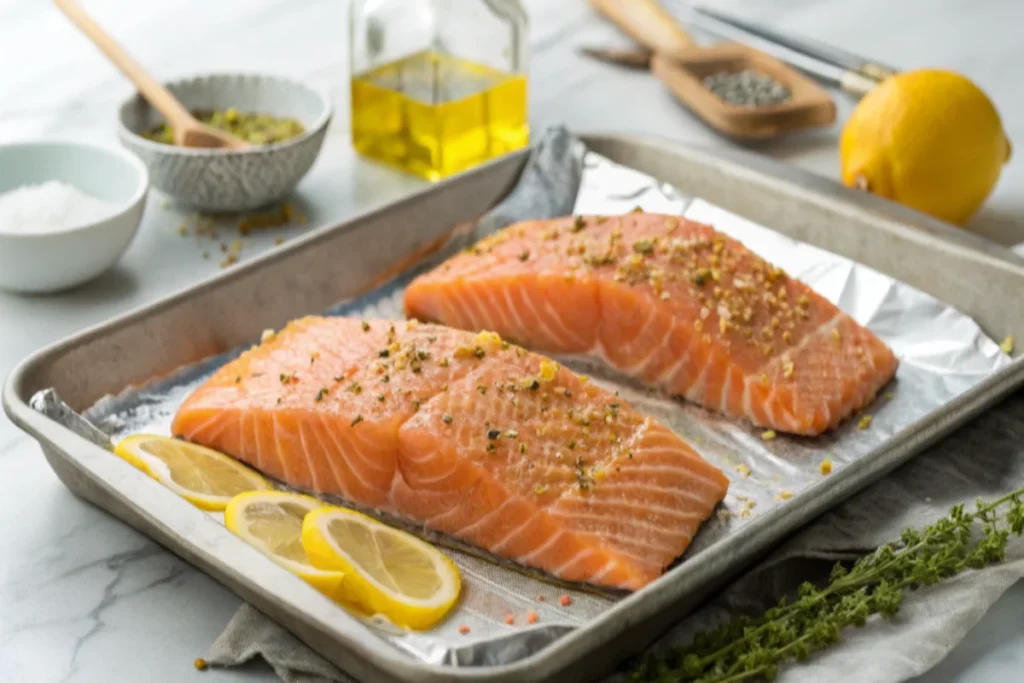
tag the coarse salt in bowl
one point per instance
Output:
(68, 211)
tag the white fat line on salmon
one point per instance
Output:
(306, 450)
(489, 310)
(349, 449)
(670, 376)
(216, 419)
(723, 404)
(452, 510)
(576, 559)
(652, 349)
(528, 558)
(695, 392)
(520, 327)
(788, 419)
(338, 481)
(572, 519)
(608, 567)
(600, 519)
(357, 436)
(289, 473)
(483, 521)
(643, 561)
(460, 308)
(552, 322)
(500, 546)
(648, 505)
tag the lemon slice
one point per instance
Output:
(272, 522)
(204, 477)
(387, 571)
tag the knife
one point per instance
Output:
(852, 73)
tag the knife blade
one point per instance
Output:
(807, 46)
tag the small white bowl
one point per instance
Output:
(58, 260)
(220, 180)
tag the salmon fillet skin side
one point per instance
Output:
(671, 302)
(465, 434)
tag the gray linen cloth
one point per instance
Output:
(984, 459)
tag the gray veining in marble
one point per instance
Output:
(84, 598)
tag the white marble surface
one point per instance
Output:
(84, 598)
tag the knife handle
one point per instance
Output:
(647, 23)
(864, 79)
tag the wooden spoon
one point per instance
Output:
(682, 66)
(188, 131)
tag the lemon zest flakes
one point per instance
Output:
(548, 370)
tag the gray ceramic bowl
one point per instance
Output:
(222, 180)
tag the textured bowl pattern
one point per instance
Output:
(221, 180)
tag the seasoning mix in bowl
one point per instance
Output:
(256, 129)
(285, 122)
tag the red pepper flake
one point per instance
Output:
(531, 617)
(540, 598)
(463, 629)
(565, 601)
(509, 619)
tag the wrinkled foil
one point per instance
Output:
(942, 353)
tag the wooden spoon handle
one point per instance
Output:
(647, 23)
(157, 95)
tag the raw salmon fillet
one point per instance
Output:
(670, 302)
(467, 435)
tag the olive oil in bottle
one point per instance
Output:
(434, 115)
(438, 86)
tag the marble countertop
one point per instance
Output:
(85, 598)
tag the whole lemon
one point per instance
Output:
(930, 139)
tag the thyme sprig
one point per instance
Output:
(747, 648)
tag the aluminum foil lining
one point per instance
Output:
(942, 353)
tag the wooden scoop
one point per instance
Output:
(682, 66)
(188, 132)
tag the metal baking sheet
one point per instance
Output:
(722, 550)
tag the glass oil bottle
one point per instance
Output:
(438, 86)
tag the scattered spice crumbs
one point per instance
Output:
(743, 469)
(864, 422)
(200, 664)
(784, 495)
(531, 617)
(826, 466)
(565, 600)
(768, 435)
(540, 598)
(463, 629)
(1007, 345)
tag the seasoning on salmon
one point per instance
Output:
(563, 477)
(735, 333)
